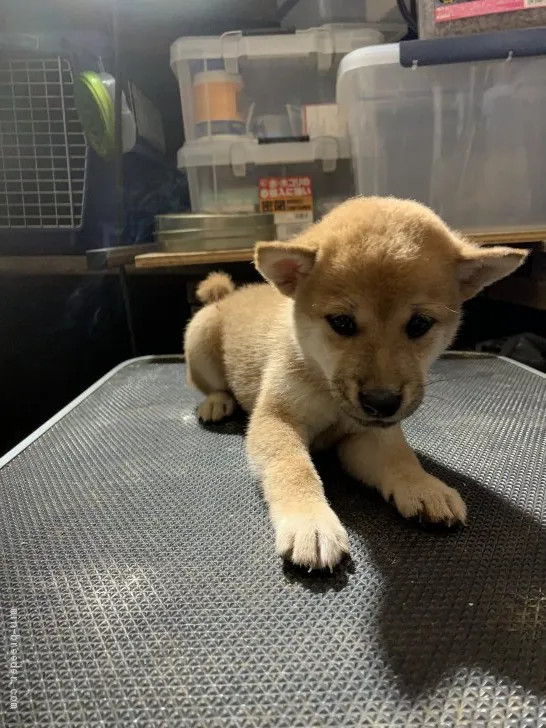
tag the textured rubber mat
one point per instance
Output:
(138, 558)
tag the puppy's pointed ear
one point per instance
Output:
(285, 265)
(479, 267)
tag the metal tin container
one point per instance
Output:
(183, 241)
(259, 233)
(219, 223)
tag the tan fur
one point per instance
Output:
(215, 287)
(270, 348)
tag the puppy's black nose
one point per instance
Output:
(380, 402)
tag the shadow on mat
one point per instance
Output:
(469, 597)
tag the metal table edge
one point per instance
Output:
(19, 448)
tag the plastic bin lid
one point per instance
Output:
(358, 61)
(230, 153)
(234, 44)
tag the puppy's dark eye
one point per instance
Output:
(419, 325)
(343, 324)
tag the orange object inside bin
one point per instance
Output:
(215, 96)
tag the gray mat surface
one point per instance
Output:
(138, 555)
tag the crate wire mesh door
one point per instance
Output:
(43, 151)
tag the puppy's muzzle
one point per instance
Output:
(380, 403)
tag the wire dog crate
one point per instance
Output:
(57, 195)
(43, 160)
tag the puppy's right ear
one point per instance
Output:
(285, 265)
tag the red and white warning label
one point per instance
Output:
(457, 9)
(290, 199)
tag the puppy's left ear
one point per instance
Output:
(285, 265)
(479, 267)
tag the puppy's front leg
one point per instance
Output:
(384, 460)
(308, 532)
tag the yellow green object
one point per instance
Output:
(96, 111)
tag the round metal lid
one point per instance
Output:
(211, 221)
(178, 242)
(257, 233)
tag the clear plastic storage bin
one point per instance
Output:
(227, 177)
(239, 86)
(261, 110)
(465, 138)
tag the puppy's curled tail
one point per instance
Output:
(215, 287)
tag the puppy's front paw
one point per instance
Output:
(312, 537)
(429, 499)
(217, 406)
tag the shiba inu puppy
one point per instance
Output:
(335, 349)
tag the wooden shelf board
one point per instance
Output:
(210, 257)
